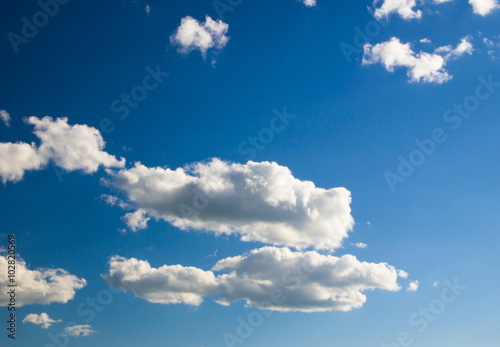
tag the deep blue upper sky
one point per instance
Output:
(352, 123)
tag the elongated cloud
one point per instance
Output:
(261, 202)
(269, 278)
(422, 67)
(404, 8)
(41, 286)
(42, 320)
(309, 3)
(71, 147)
(193, 35)
(79, 330)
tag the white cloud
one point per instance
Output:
(42, 319)
(270, 278)
(484, 7)
(435, 284)
(261, 202)
(41, 286)
(422, 67)
(441, 1)
(79, 330)
(136, 220)
(361, 245)
(413, 286)
(192, 34)
(16, 158)
(71, 147)
(488, 42)
(464, 47)
(5, 117)
(405, 8)
(309, 3)
(425, 40)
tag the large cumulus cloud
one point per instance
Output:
(261, 202)
(270, 278)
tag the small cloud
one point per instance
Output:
(488, 42)
(425, 40)
(5, 117)
(413, 286)
(147, 9)
(422, 66)
(368, 223)
(484, 7)
(404, 8)
(402, 274)
(113, 201)
(361, 245)
(435, 284)
(42, 319)
(136, 220)
(203, 36)
(79, 330)
(309, 3)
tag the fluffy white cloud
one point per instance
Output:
(16, 158)
(422, 67)
(5, 117)
(42, 319)
(41, 286)
(136, 220)
(484, 7)
(79, 330)
(413, 286)
(192, 34)
(309, 3)
(270, 278)
(165, 285)
(261, 202)
(404, 8)
(464, 47)
(361, 245)
(71, 147)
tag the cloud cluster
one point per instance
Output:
(42, 319)
(261, 202)
(194, 35)
(270, 278)
(71, 147)
(422, 66)
(404, 8)
(41, 286)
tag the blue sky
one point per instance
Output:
(353, 119)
